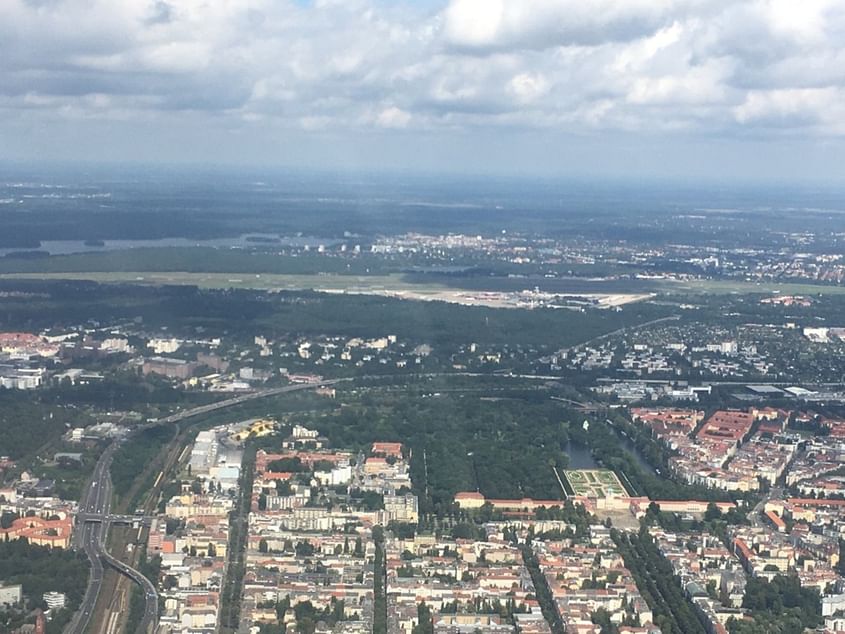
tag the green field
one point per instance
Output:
(258, 281)
(595, 483)
(213, 268)
(388, 283)
(740, 287)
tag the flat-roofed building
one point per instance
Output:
(11, 595)
(169, 367)
(727, 425)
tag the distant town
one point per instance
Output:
(422, 317)
(424, 433)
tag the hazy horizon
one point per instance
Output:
(96, 170)
(676, 89)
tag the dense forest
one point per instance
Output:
(132, 457)
(779, 606)
(28, 421)
(40, 569)
(243, 312)
(503, 447)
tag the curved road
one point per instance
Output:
(237, 400)
(95, 505)
(150, 618)
(90, 533)
(94, 515)
(90, 538)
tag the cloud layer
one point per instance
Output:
(714, 67)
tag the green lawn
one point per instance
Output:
(258, 281)
(740, 287)
(392, 282)
(598, 483)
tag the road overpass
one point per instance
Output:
(94, 517)
(237, 400)
(90, 532)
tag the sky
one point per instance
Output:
(724, 89)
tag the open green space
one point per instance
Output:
(257, 281)
(393, 282)
(40, 569)
(595, 483)
(741, 287)
(209, 267)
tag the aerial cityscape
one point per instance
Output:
(506, 431)
(422, 317)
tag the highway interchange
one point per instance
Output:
(90, 533)
(96, 501)
(94, 516)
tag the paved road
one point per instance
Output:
(94, 517)
(755, 515)
(89, 533)
(606, 335)
(237, 400)
(96, 500)
(89, 536)
(150, 618)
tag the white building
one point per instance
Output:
(833, 604)
(10, 595)
(164, 346)
(55, 600)
(302, 433)
(337, 476)
(22, 378)
(115, 344)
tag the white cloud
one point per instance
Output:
(810, 107)
(474, 22)
(699, 84)
(393, 117)
(540, 24)
(707, 66)
(528, 86)
(804, 21)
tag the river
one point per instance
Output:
(580, 456)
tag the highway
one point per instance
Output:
(94, 517)
(237, 400)
(96, 500)
(607, 335)
(94, 514)
(150, 618)
(90, 536)
(90, 533)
